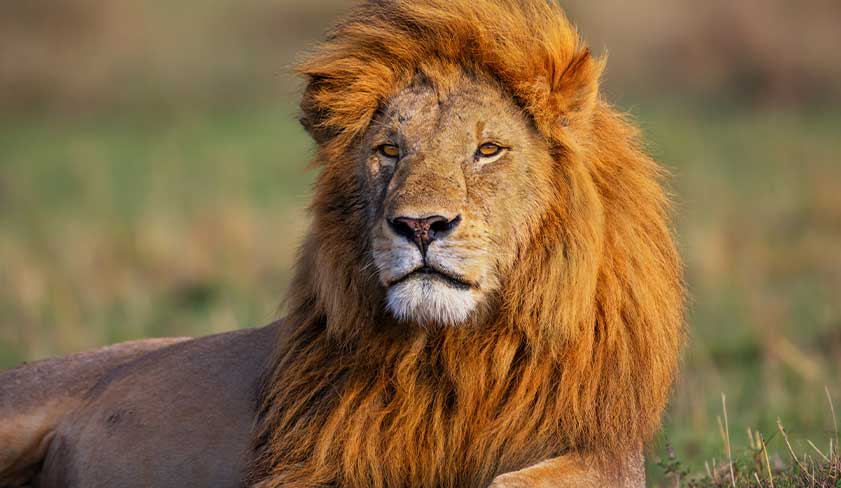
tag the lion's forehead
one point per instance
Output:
(423, 112)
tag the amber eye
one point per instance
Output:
(488, 150)
(389, 150)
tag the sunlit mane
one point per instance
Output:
(579, 349)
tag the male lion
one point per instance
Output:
(489, 292)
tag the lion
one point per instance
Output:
(488, 295)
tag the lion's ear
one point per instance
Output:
(574, 89)
(313, 125)
(313, 116)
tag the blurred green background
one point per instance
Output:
(153, 181)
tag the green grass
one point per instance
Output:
(759, 220)
(125, 225)
(116, 227)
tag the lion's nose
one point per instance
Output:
(424, 230)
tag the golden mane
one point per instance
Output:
(583, 344)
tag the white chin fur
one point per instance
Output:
(426, 300)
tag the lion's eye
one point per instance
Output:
(488, 150)
(389, 150)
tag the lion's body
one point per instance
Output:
(170, 414)
(155, 413)
(489, 281)
(36, 398)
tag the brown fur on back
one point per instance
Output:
(581, 349)
(36, 397)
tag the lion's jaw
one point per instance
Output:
(475, 201)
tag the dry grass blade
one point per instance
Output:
(825, 458)
(791, 451)
(834, 419)
(767, 461)
(727, 440)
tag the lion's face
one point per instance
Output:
(455, 177)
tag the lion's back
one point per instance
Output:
(181, 416)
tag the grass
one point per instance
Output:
(759, 215)
(125, 225)
(756, 468)
(115, 228)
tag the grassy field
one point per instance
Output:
(113, 228)
(151, 185)
(186, 223)
(759, 224)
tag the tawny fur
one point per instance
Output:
(580, 346)
(35, 397)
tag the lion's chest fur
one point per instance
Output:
(413, 416)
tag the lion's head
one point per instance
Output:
(455, 178)
(489, 269)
